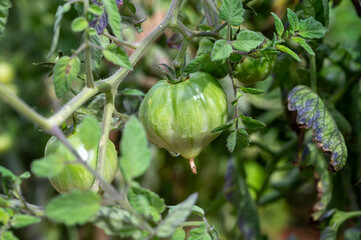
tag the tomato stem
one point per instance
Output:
(192, 165)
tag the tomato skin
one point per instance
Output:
(75, 175)
(179, 117)
(6, 73)
(253, 70)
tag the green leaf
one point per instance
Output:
(221, 50)
(179, 234)
(153, 203)
(135, 158)
(97, 54)
(235, 188)
(114, 17)
(23, 220)
(238, 96)
(293, 20)
(176, 216)
(4, 13)
(7, 235)
(318, 9)
(79, 24)
(311, 28)
(6, 173)
(95, 9)
(312, 113)
(254, 91)
(222, 128)
(232, 12)
(199, 233)
(198, 211)
(248, 40)
(4, 216)
(89, 132)
(132, 92)
(304, 45)
(49, 166)
(288, 51)
(131, 6)
(278, 25)
(118, 56)
(73, 208)
(252, 123)
(58, 18)
(66, 70)
(237, 140)
(197, 63)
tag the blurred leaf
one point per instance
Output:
(222, 128)
(248, 40)
(66, 70)
(23, 220)
(198, 211)
(154, 204)
(6, 173)
(117, 55)
(4, 216)
(232, 12)
(199, 233)
(58, 18)
(311, 28)
(95, 9)
(236, 192)
(293, 20)
(197, 63)
(132, 92)
(179, 234)
(237, 140)
(221, 50)
(113, 17)
(49, 166)
(254, 91)
(352, 233)
(79, 24)
(289, 52)
(318, 9)
(7, 235)
(312, 113)
(342, 123)
(135, 155)
(99, 40)
(4, 13)
(252, 123)
(176, 215)
(278, 25)
(89, 132)
(73, 208)
(304, 45)
(130, 6)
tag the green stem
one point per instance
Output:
(179, 60)
(192, 223)
(88, 68)
(14, 204)
(313, 73)
(120, 42)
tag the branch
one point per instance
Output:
(14, 203)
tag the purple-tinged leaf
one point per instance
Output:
(119, 2)
(100, 23)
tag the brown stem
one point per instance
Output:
(193, 165)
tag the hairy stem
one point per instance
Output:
(313, 73)
(14, 204)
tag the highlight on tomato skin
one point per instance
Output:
(180, 117)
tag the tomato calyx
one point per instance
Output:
(171, 75)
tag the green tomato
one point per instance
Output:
(253, 70)
(75, 175)
(6, 73)
(216, 69)
(6, 142)
(179, 117)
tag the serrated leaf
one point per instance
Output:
(252, 123)
(318, 9)
(221, 50)
(114, 17)
(179, 234)
(293, 20)
(312, 113)
(58, 18)
(95, 9)
(254, 91)
(237, 140)
(248, 40)
(199, 233)
(66, 70)
(222, 128)
(5, 5)
(176, 216)
(197, 63)
(135, 157)
(23, 220)
(154, 204)
(7, 235)
(73, 208)
(289, 52)
(49, 166)
(311, 28)
(235, 188)
(278, 25)
(89, 132)
(118, 56)
(79, 24)
(132, 92)
(304, 45)
(232, 12)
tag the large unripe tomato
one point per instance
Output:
(253, 70)
(75, 175)
(179, 117)
(6, 73)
